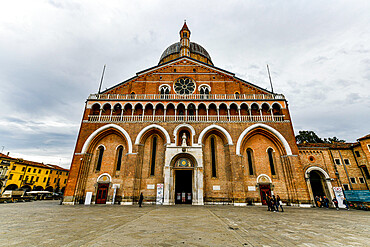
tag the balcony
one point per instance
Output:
(182, 118)
(203, 97)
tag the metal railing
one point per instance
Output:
(183, 118)
(186, 97)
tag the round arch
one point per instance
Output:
(269, 128)
(214, 126)
(328, 189)
(102, 175)
(176, 130)
(153, 126)
(262, 178)
(105, 127)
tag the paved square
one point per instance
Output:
(46, 223)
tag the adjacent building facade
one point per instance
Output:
(28, 175)
(199, 132)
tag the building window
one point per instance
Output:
(10, 176)
(213, 154)
(184, 86)
(119, 158)
(14, 168)
(55, 179)
(31, 179)
(65, 181)
(368, 147)
(23, 169)
(362, 180)
(366, 171)
(26, 179)
(20, 177)
(44, 180)
(345, 187)
(34, 170)
(51, 172)
(48, 181)
(39, 171)
(100, 157)
(353, 180)
(271, 159)
(37, 179)
(346, 161)
(250, 162)
(154, 153)
(164, 90)
(357, 153)
(337, 161)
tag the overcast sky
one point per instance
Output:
(52, 54)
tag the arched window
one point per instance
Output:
(100, 157)
(204, 90)
(237, 95)
(250, 162)
(271, 159)
(164, 90)
(154, 153)
(213, 153)
(119, 158)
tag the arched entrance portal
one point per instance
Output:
(183, 168)
(103, 187)
(264, 184)
(318, 183)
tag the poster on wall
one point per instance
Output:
(159, 200)
(338, 193)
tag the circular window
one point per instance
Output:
(311, 158)
(184, 86)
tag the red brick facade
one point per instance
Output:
(220, 115)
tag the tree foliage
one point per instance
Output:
(308, 136)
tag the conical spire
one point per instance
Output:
(185, 40)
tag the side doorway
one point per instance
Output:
(102, 193)
(265, 191)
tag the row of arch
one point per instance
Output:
(192, 131)
(35, 188)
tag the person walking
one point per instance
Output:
(326, 202)
(141, 199)
(345, 202)
(268, 199)
(279, 203)
(274, 205)
(335, 203)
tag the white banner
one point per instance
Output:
(338, 192)
(159, 200)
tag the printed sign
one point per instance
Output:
(159, 200)
(357, 195)
(338, 192)
(216, 187)
(88, 198)
(251, 188)
(150, 187)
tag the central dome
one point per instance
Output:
(196, 51)
(185, 48)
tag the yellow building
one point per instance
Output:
(29, 175)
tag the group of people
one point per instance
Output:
(273, 203)
(323, 201)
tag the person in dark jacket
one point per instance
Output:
(326, 202)
(345, 202)
(279, 203)
(274, 205)
(335, 203)
(141, 199)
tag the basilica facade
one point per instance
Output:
(186, 131)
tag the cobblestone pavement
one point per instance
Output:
(46, 223)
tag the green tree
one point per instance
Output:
(308, 136)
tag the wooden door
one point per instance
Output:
(265, 191)
(101, 195)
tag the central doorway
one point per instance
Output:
(183, 186)
(102, 193)
(265, 191)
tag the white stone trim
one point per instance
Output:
(313, 168)
(104, 174)
(153, 126)
(214, 126)
(102, 145)
(263, 175)
(269, 128)
(107, 126)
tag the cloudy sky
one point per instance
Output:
(52, 54)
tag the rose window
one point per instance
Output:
(184, 86)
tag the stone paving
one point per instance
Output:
(46, 223)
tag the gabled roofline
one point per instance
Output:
(140, 73)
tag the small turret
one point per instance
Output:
(185, 41)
